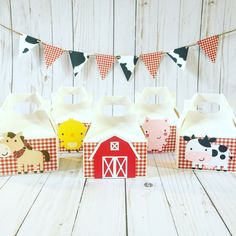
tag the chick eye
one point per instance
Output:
(62, 133)
(81, 133)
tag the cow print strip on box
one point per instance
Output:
(179, 56)
(127, 64)
(26, 43)
(78, 60)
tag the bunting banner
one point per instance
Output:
(152, 62)
(26, 43)
(127, 64)
(78, 60)
(51, 54)
(209, 46)
(179, 56)
(104, 62)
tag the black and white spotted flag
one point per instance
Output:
(27, 43)
(179, 56)
(127, 64)
(78, 60)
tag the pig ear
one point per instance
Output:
(147, 119)
(186, 138)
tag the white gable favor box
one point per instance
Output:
(158, 120)
(207, 140)
(115, 146)
(28, 142)
(72, 120)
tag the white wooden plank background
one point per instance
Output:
(118, 27)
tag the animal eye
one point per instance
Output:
(165, 130)
(15, 140)
(7, 140)
(81, 133)
(205, 149)
(191, 149)
(62, 133)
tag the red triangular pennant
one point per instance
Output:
(152, 61)
(51, 54)
(210, 46)
(104, 63)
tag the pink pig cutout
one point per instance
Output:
(156, 132)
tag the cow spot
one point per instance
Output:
(222, 157)
(222, 148)
(214, 153)
(25, 50)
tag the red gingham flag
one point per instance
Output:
(152, 61)
(104, 63)
(210, 46)
(51, 54)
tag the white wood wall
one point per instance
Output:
(123, 27)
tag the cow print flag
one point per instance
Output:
(179, 56)
(78, 60)
(210, 46)
(127, 64)
(27, 43)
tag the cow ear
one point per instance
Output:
(193, 136)
(186, 138)
(212, 140)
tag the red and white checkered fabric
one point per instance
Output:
(152, 61)
(141, 165)
(228, 142)
(51, 54)
(64, 150)
(105, 62)
(170, 142)
(210, 46)
(8, 165)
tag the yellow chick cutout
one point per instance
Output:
(71, 134)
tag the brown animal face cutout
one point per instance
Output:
(14, 141)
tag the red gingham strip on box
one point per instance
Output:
(170, 142)
(228, 142)
(8, 165)
(152, 61)
(210, 46)
(51, 54)
(140, 147)
(104, 63)
(64, 150)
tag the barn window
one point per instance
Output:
(114, 146)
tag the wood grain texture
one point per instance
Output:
(6, 63)
(120, 27)
(147, 207)
(57, 202)
(188, 201)
(103, 199)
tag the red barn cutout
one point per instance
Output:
(114, 158)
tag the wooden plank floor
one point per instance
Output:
(167, 202)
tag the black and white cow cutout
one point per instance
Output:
(78, 60)
(204, 153)
(127, 64)
(27, 43)
(179, 56)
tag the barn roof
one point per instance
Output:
(104, 140)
